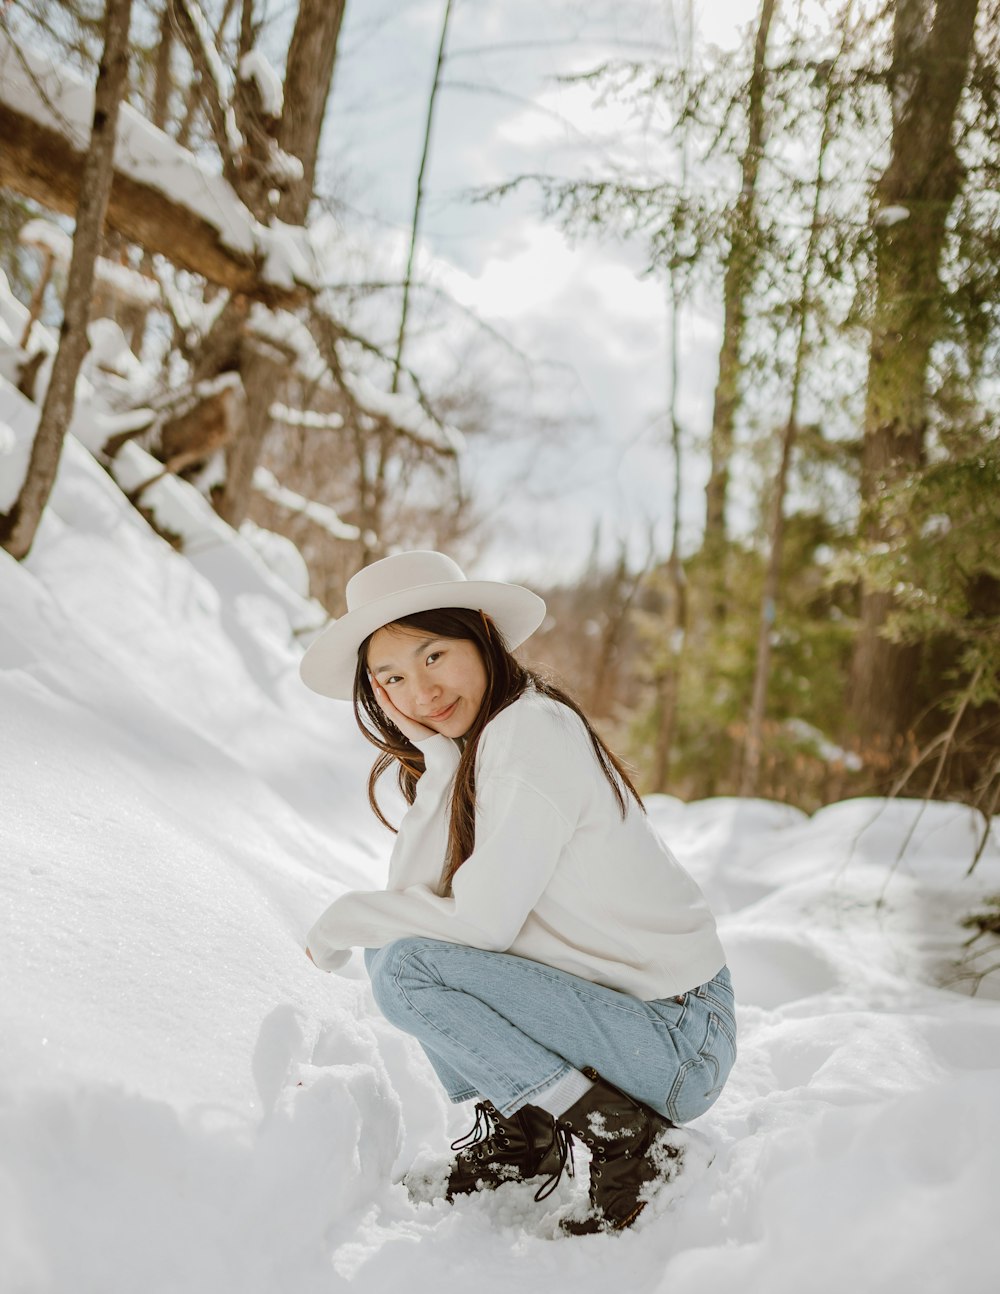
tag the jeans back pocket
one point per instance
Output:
(707, 1050)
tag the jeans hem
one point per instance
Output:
(524, 1098)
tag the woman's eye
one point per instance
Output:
(393, 678)
(433, 657)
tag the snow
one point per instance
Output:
(279, 555)
(406, 413)
(308, 419)
(284, 330)
(287, 249)
(828, 750)
(110, 352)
(49, 237)
(187, 1104)
(190, 313)
(285, 168)
(321, 513)
(13, 321)
(127, 283)
(17, 431)
(254, 66)
(886, 217)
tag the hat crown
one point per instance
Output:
(396, 574)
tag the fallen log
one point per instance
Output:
(162, 198)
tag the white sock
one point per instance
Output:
(564, 1092)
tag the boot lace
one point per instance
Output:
(563, 1140)
(486, 1124)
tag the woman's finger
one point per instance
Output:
(410, 728)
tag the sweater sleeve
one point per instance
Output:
(417, 854)
(520, 834)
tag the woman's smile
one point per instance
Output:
(440, 715)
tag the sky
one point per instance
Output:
(593, 323)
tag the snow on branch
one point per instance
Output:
(193, 317)
(288, 334)
(405, 413)
(306, 419)
(411, 416)
(266, 483)
(254, 66)
(289, 256)
(201, 45)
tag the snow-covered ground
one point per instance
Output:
(187, 1105)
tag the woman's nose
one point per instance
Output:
(427, 690)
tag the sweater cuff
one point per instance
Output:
(441, 754)
(324, 956)
(331, 961)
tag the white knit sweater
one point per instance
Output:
(556, 875)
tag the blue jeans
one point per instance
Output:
(503, 1027)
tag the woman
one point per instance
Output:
(554, 960)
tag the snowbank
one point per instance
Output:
(187, 1105)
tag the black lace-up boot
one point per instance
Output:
(499, 1150)
(629, 1153)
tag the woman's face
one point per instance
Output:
(437, 681)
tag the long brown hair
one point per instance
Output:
(506, 680)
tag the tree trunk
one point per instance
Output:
(18, 527)
(136, 317)
(312, 55)
(753, 746)
(261, 375)
(668, 671)
(419, 199)
(619, 599)
(308, 79)
(932, 48)
(738, 280)
(668, 680)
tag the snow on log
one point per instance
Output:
(162, 197)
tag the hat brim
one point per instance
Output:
(330, 662)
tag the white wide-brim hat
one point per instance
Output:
(398, 586)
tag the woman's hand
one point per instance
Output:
(408, 727)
